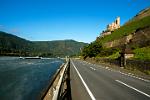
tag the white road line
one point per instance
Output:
(132, 75)
(86, 87)
(132, 88)
(92, 68)
(129, 74)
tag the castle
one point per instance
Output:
(111, 27)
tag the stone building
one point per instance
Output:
(111, 27)
(114, 25)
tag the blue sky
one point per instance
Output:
(81, 20)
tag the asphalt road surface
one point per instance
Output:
(96, 82)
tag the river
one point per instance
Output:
(25, 79)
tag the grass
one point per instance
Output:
(127, 29)
(114, 56)
(142, 53)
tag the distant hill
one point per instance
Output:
(59, 47)
(15, 46)
(135, 34)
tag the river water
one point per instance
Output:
(25, 79)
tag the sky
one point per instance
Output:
(80, 20)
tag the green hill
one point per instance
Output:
(58, 48)
(141, 20)
(135, 34)
(15, 46)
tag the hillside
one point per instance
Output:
(13, 45)
(59, 47)
(16, 46)
(135, 34)
(127, 29)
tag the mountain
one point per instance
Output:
(134, 34)
(59, 47)
(13, 45)
(16, 46)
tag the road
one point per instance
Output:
(96, 82)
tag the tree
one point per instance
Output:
(92, 50)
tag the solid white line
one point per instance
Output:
(133, 88)
(86, 87)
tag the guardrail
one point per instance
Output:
(59, 88)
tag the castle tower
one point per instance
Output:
(113, 26)
(118, 22)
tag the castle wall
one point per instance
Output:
(111, 27)
(114, 25)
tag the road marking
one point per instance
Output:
(132, 88)
(92, 68)
(132, 75)
(86, 87)
(129, 74)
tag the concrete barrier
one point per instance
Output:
(58, 85)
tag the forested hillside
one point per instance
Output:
(12, 45)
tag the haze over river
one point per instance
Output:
(25, 79)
